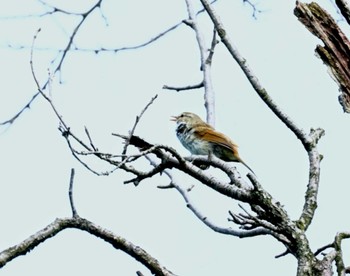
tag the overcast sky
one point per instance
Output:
(106, 91)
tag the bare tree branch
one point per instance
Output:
(336, 50)
(339, 261)
(77, 222)
(70, 193)
(174, 183)
(14, 118)
(131, 133)
(321, 249)
(209, 94)
(61, 224)
(89, 137)
(188, 87)
(253, 6)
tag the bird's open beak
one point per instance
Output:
(173, 118)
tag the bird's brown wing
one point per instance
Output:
(215, 137)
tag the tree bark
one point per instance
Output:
(336, 50)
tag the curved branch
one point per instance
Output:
(61, 224)
(188, 87)
(315, 159)
(207, 221)
(339, 253)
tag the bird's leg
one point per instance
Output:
(198, 164)
(210, 156)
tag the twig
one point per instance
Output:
(131, 132)
(13, 119)
(104, 157)
(89, 137)
(188, 87)
(74, 211)
(255, 9)
(321, 249)
(65, 130)
(285, 253)
(55, 9)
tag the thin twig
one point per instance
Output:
(71, 181)
(13, 119)
(188, 87)
(131, 132)
(285, 253)
(89, 137)
(321, 249)
(253, 6)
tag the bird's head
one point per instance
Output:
(188, 118)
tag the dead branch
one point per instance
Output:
(336, 50)
(344, 8)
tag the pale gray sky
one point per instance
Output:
(106, 91)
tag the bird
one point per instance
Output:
(200, 138)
